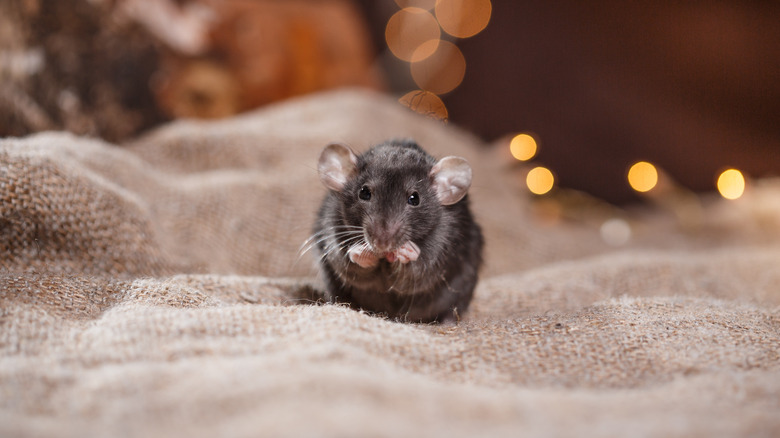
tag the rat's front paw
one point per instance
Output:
(364, 257)
(408, 252)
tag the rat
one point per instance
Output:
(395, 234)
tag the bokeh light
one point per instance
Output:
(522, 147)
(642, 176)
(408, 29)
(463, 18)
(615, 232)
(540, 180)
(731, 184)
(422, 4)
(440, 72)
(425, 50)
(425, 103)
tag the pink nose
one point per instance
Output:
(384, 238)
(382, 243)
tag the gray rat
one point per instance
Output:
(395, 234)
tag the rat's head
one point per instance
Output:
(395, 191)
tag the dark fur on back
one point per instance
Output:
(440, 283)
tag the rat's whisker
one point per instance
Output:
(322, 236)
(340, 246)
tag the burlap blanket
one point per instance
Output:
(156, 289)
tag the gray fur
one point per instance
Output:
(438, 285)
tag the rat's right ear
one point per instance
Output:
(336, 166)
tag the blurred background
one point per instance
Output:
(607, 98)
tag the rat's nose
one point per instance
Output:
(382, 242)
(384, 237)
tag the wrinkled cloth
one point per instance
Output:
(158, 288)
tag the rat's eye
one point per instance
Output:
(414, 199)
(364, 193)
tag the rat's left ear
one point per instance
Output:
(451, 178)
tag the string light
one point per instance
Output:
(463, 18)
(408, 29)
(522, 147)
(642, 176)
(731, 184)
(540, 180)
(440, 72)
(413, 34)
(426, 103)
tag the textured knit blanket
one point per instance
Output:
(156, 289)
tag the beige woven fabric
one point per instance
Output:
(156, 289)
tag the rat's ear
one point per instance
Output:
(451, 178)
(337, 164)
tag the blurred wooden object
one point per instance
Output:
(240, 54)
(114, 68)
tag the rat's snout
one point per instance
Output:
(383, 236)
